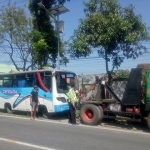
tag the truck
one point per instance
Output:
(133, 101)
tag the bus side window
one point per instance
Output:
(30, 79)
(1, 81)
(20, 80)
(46, 80)
(8, 81)
(61, 81)
(21, 83)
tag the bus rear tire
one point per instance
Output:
(8, 108)
(44, 112)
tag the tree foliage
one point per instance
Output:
(115, 31)
(15, 30)
(44, 38)
(121, 74)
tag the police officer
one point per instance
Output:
(72, 101)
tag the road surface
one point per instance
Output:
(24, 134)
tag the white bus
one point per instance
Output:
(15, 90)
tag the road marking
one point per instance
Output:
(82, 125)
(26, 144)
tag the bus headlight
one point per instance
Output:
(61, 99)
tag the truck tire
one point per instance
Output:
(90, 114)
(148, 121)
(101, 113)
(8, 108)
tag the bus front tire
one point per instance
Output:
(44, 112)
(8, 108)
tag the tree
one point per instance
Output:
(44, 38)
(15, 30)
(115, 31)
(86, 80)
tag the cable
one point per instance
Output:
(14, 1)
(21, 1)
(4, 1)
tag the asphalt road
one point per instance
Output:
(11, 146)
(67, 137)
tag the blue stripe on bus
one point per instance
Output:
(24, 93)
(6, 96)
(60, 108)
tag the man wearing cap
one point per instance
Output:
(34, 101)
(72, 100)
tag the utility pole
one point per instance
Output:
(56, 11)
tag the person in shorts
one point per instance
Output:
(34, 101)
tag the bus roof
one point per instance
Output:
(32, 71)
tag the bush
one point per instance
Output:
(121, 74)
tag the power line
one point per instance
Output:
(21, 1)
(14, 1)
(96, 57)
(4, 1)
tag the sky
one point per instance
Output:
(93, 64)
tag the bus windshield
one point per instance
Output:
(63, 80)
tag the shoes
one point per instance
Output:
(69, 122)
(75, 123)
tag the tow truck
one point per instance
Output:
(134, 102)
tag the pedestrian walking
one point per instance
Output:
(72, 102)
(34, 101)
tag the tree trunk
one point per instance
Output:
(106, 60)
(107, 69)
(14, 63)
(31, 60)
(24, 65)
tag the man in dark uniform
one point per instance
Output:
(34, 101)
(72, 101)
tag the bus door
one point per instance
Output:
(44, 82)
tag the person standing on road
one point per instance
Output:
(34, 101)
(72, 101)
